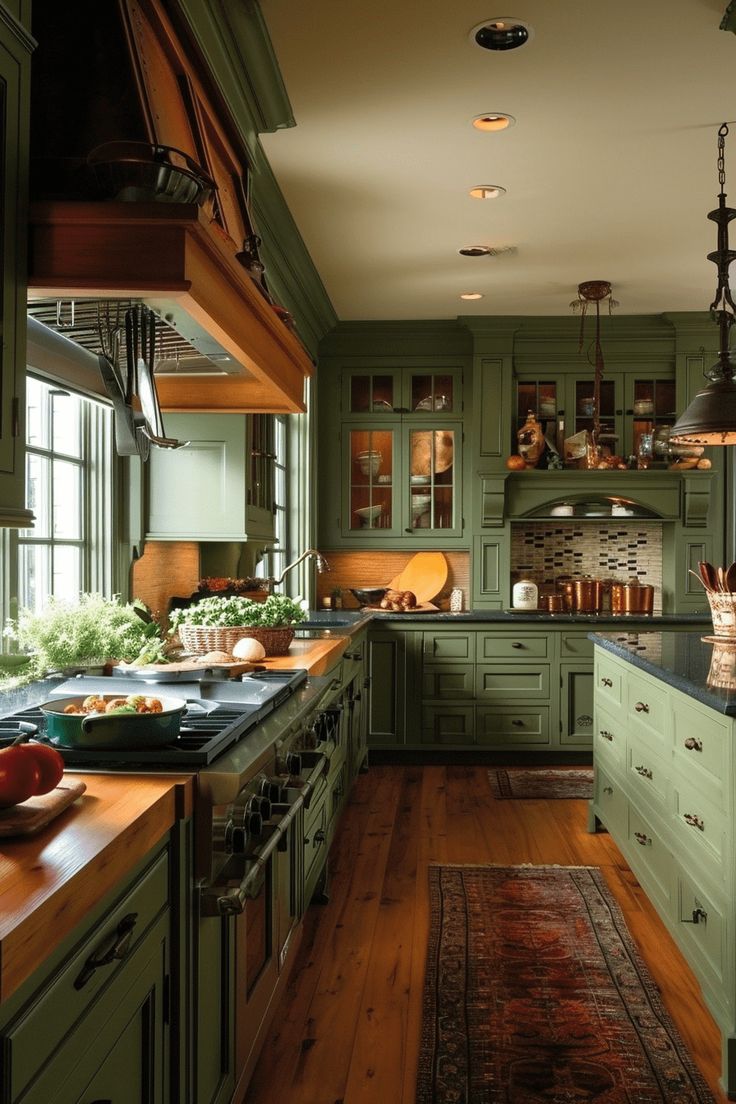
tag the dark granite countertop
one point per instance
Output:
(702, 669)
(512, 617)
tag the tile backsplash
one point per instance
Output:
(618, 552)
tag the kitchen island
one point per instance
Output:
(665, 787)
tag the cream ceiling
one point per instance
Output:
(610, 169)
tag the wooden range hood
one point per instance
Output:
(181, 259)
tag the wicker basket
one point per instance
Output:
(723, 614)
(200, 639)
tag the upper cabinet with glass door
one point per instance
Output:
(631, 404)
(385, 392)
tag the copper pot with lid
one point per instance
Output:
(632, 597)
(587, 594)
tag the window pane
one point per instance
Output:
(67, 505)
(67, 423)
(34, 562)
(67, 571)
(38, 483)
(37, 413)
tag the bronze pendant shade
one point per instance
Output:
(710, 418)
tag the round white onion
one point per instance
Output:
(248, 648)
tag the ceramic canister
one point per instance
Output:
(525, 595)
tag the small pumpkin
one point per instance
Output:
(515, 462)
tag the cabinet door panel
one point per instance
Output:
(496, 645)
(448, 645)
(371, 469)
(448, 724)
(513, 726)
(386, 662)
(494, 680)
(447, 681)
(577, 705)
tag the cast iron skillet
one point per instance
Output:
(113, 730)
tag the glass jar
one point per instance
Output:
(645, 452)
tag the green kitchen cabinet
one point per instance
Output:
(94, 1023)
(576, 705)
(426, 392)
(389, 661)
(220, 487)
(15, 68)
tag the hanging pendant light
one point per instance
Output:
(710, 419)
(594, 292)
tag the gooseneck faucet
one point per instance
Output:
(321, 562)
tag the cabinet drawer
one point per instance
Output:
(39, 1031)
(701, 927)
(646, 776)
(448, 645)
(576, 646)
(448, 724)
(448, 680)
(650, 860)
(505, 680)
(608, 681)
(512, 646)
(513, 726)
(701, 827)
(609, 739)
(315, 848)
(647, 711)
(702, 750)
(610, 802)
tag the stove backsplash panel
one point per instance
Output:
(546, 553)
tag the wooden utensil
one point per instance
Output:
(708, 575)
(424, 575)
(731, 578)
(721, 580)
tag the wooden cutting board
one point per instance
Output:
(423, 607)
(180, 670)
(424, 575)
(36, 812)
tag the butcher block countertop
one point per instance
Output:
(51, 880)
(316, 656)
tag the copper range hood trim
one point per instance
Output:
(170, 254)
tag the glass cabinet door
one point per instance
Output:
(435, 392)
(371, 480)
(650, 408)
(370, 392)
(434, 491)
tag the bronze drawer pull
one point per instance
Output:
(698, 915)
(644, 772)
(516, 644)
(606, 735)
(608, 790)
(606, 682)
(114, 949)
(694, 821)
(693, 745)
(517, 723)
(641, 707)
(642, 839)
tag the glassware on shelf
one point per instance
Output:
(645, 451)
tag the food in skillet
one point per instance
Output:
(134, 703)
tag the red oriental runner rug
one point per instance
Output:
(535, 994)
(529, 782)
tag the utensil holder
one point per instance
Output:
(723, 614)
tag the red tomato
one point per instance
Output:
(50, 766)
(19, 774)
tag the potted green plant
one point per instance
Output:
(68, 635)
(216, 624)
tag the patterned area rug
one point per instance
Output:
(535, 994)
(528, 782)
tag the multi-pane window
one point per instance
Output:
(269, 483)
(68, 473)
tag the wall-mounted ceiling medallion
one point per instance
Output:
(493, 121)
(471, 295)
(487, 191)
(503, 32)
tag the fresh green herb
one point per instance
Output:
(66, 634)
(277, 611)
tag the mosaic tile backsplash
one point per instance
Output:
(546, 553)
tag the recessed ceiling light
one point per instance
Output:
(493, 120)
(487, 191)
(504, 32)
(472, 295)
(475, 251)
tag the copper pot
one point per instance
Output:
(632, 597)
(565, 587)
(587, 594)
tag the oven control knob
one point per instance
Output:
(270, 788)
(252, 823)
(263, 805)
(293, 763)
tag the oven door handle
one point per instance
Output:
(318, 771)
(233, 902)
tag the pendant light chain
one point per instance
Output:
(722, 132)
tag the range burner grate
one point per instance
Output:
(202, 738)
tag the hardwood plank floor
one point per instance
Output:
(347, 1031)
